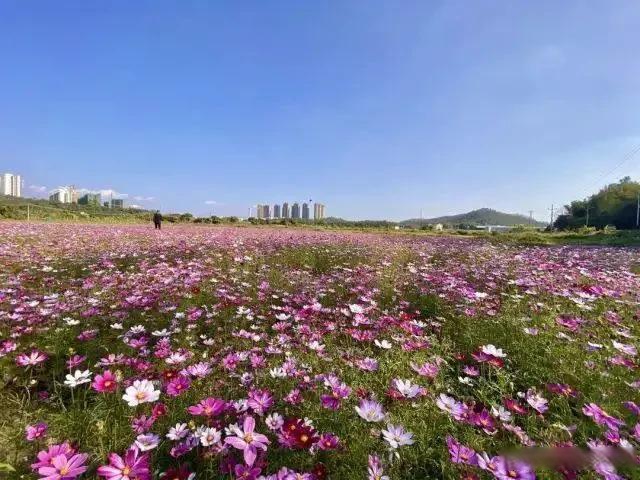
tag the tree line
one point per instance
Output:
(615, 205)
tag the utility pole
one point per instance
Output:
(587, 221)
(551, 224)
(530, 217)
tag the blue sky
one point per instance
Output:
(377, 109)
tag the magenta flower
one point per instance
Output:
(246, 473)
(178, 385)
(260, 401)
(34, 432)
(133, 466)
(107, 382)
(45, 457)
(209, 407)
(460, 453)
(64, 467)
(248, 441)
(601, 417)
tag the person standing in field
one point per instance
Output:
(157, 220)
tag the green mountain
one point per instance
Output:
(482, 216)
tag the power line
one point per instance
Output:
(629, 155)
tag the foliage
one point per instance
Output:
(615, 205)
(527, 344)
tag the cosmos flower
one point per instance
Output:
(178, 385)
(35, 432)
(133, 466)
(370, 410)
(396, 436)
(105, 383)
(147, 441)
(248, 441)
(142, 391)
(209, 407)
(64, 467)
(31, 359)
(78, 378)
(208, 436)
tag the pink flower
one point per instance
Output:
(107, 382)
(133, 466)
(31, 359)
(63, 467)
(178, 385)
(260, 401)
(248, 441)
(45, 457)
(34, 432)
(209, 407)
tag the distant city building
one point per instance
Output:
(318, 211)
(276, 211)
(117, 203)
(105, 204)
(93, 199)
(295, 210)
(285, 210)
(266, 210)
(64, 195)
(305, 211)
(11, 185)
(259, 213)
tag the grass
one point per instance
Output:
(413, 288)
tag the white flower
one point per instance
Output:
(465, 380)
(355, 308)
(397, 436)
(316, 345)
(160, 333)
(493, 351)
(385, 344)
(70, 321)
(502, 413)
(141, 391)
(78, 378)
(147, 441)
(137, 329)
(208, 436)
(406, 388)
(178, 432)
(277, 372)
(274, 421)
(116, 326)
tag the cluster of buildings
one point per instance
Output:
(266, 212)
(70, 195)
(11, 185)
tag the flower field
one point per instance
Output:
(273, 353)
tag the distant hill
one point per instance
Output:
(482, 216)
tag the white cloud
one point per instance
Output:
(210, 202)
(38, 188)
(139, 198)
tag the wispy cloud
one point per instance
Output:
(38, 188)
(139, 198)
(211, 202)
(105, 192)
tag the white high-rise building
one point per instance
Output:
(64, 195)
(11, 184)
